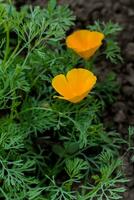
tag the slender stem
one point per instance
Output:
(14, 54)
(51, 110)
(7, 44)
(2, 191)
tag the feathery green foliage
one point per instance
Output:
(110, 30)
(51, 149)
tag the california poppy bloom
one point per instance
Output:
(85, 42)
(75, 86)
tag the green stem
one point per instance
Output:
(12, 55)
(12, 114)
(15, 54)
(7, 44)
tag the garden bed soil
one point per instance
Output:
(121, 113)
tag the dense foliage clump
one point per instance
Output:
(51, 149)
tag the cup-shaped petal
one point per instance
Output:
(75, 86)
(85, 42)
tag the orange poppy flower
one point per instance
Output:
(75, 86)
(85, 42)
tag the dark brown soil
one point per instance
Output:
(121, 113)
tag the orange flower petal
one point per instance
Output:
(88, 53)
(79, 98)
(75, 86)
(75, 99)
(80, 80)
(60, 84)
(85, 42)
